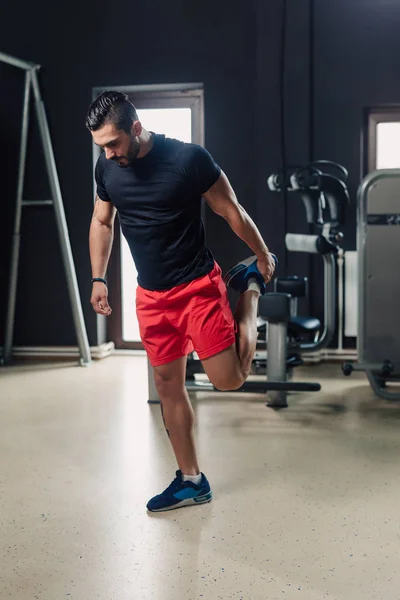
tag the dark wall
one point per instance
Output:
(236, 54)
(354, 61)
(95, 45)
(274, 218)
(357, 56)
(357, 62)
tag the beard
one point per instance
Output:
(131, 156)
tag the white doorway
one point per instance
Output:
(175, 123)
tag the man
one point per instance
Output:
(156, 185)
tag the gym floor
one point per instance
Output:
(305, 500)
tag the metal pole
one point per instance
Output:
(276, 361)
(8, 341)
(294, 303)
(340, 262)
(16, 62)
(72, 282)
(330, 296)
(37, 203)
(379, 390)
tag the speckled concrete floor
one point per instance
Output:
(306, 501)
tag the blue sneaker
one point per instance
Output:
(181, 493)
(238, 276)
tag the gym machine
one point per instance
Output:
(325, 198)
(378, 247)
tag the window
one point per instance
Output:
(176, 111)
(176, 123)
(384, 139)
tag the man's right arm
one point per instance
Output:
(101, 237)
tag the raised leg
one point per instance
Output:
(229, 369)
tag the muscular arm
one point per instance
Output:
(101, 236)
(222, 200)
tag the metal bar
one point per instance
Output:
(157, 87)
(37, 203)
(17, 62)
(384, 393)
(72, 282)
(9, 332)
(281, 386)
(294, 303)
(257, 387)
(276, 365)
(340, 263)
(373, 367)
(363, 191)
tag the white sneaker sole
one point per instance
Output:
(189, 502)
(242, 266)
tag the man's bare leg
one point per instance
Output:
(177, 413)
(229, 369)
(246, 338)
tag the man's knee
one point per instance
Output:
(229, 382)
(168, 384)
(164, 382)
(225, 370)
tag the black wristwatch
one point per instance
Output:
(99, 279)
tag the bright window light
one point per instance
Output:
(174, 123)
(388, 146)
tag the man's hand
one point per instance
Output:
(99, 299)
(266, 266)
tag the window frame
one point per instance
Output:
(375, 117)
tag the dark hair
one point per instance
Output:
(111, 107)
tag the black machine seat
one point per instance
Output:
(296, 326)
(303, 325)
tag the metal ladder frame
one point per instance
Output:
(31, 82)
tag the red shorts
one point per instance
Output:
(192, 316)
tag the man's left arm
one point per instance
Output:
(222, 200)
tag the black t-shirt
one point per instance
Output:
(158, 199)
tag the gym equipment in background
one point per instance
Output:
(32, 82)
(319, 191)
(325, 198)
(378, 246)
